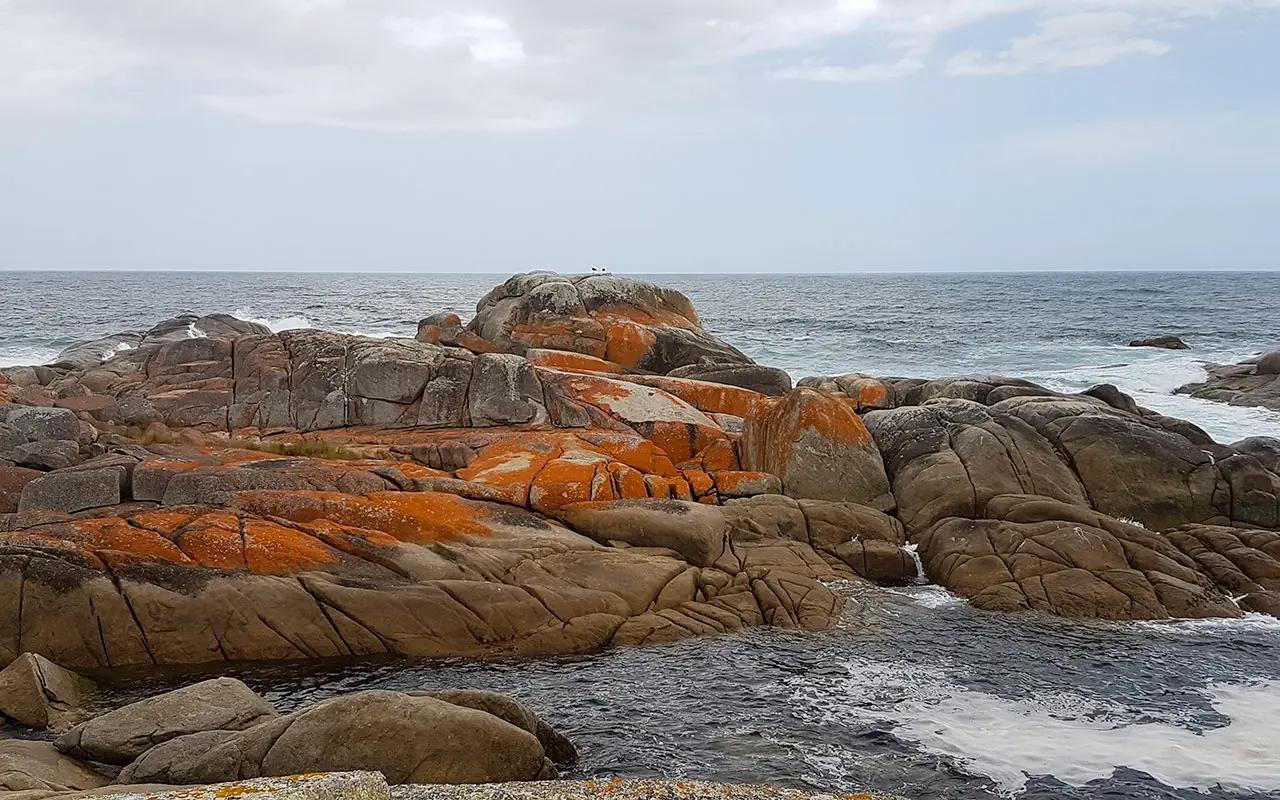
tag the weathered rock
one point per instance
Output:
(693, 530)
(1163, 342)
(320, 786)
(819, 447)
(626, 322)
(555, 745)
(71, 491)
(866, 393)
(1034, 553)
(46, 454)
(1269, 364)
(37, 766)
(407, 738)
(38, 693)
(1251, 383)
(768, 381)
(12, 481)
(10, 438)
(44, 423)
(118, 737)
(505, 391)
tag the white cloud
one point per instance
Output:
(1072, 41)
(517, 64)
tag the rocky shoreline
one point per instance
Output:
(580, 466)
(1255, 383)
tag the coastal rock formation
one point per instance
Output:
(37, 769)
(580, 466)
(1162, 342)
(219, 730)
(40, 694)
(1250, 383)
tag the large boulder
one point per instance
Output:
(120, 736)
(1035, 553)
(408, 738)
(693, 530)
(12, 482)
(38, 423)
(38, 767)
(818, 446)
(1255, 382)
(38, 693)
(627, 322)
(72, 490)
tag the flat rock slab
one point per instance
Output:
(322, 786)
(638, 790)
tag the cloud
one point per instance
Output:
(521, 65)
(1070, 41)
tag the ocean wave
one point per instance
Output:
(1067, 736)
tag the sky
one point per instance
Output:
(646, 136)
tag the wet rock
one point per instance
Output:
(819, 447)
(119, 736)
(1163, 342)
(1251, 383)
(40, 694)
(72, 491)
(407, 738)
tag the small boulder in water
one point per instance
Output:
(1163, 342)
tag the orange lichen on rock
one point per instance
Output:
(476, 344)
(214, 540)
(571, 362)
(419, 517)
(118, 535)
(627, 343)
(509, 467)
(273, 549)
(712, 398)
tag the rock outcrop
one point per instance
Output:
(1250, 383)
(1162, 342)
(37, 693)
(220, 731)
(580, 466)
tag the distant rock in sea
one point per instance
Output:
(1162, 342)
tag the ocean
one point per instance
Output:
(916, 693)
(1068, 331)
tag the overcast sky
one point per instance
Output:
(643, 135)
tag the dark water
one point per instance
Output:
(1067, 331)
(916, 694)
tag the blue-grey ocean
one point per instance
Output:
(916, 694)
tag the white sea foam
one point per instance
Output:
(1066, 736)
(291, 323)
(1199, 627)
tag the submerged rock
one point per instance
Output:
(1163, 342)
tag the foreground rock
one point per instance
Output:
(219, 731)
(40, 694)
(1250, 383)
(37, 770)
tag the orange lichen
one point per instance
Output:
(214, 541)
(712, 398)
(273, 549)
(627, 343)
(700, 483)
(568, 361)
(565, 481)
(422, 517)
(476, 344)
(117, 534)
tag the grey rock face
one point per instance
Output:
(505, 390)
(1163, 342)
(44, 423)
(46, 454)
(72, 491)
(120, 736)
